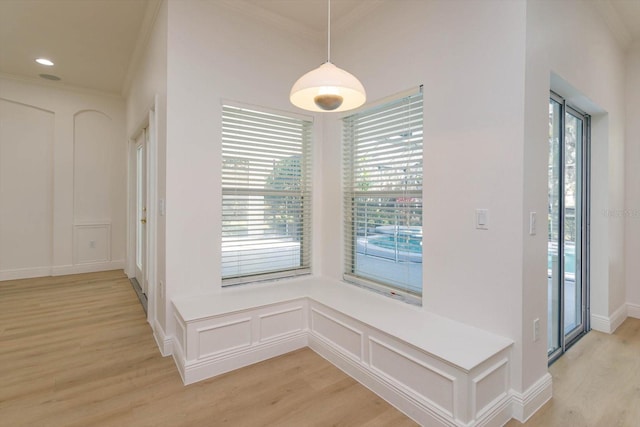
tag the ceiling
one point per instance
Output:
(91, 42)
(94, 42)
(629, 13)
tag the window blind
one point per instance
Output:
(383, 197)
(266, 195)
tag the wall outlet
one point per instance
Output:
(536, 330)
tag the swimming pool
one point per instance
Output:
(405, 243)
(569, 257)
(408, 249)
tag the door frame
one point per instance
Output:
(140, 149)
(148, 122)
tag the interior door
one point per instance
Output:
(141, 210)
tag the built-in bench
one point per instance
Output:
(437, 371)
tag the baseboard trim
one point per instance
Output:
(60, 270)
(87, 268)
(600, 323)
(618, 317)
(633, 310)
(608, 325)
(524, 405)
(165, 344)
(24, 273)
(497, 415)
(192, 372)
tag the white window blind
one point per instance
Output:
(383, 197)
(266, 195)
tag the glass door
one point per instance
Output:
(567, 245)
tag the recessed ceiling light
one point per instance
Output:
(44, 61)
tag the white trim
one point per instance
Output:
(608, 325)
(62, 270)
(384, 375)
(633, 310)
(600, 323)
(96, 225)
(150, 123)
(253, 10)
(24, 273)
(142, 42)
(481, 412)
(497, 413)
(524, 405)
(213, 365)
(390, 392)
(618, 317)
(165, 343)
(152, 211)
(60, 85)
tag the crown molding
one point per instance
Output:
(59, 85)
(344, 23)
(142, 41)
(254, 10)
(339, 25)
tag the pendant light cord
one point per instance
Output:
(329, 31)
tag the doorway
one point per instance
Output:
(138, 223)
(141, 210)
(568, 234)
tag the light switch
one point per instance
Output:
(161, 206)
(482, 219)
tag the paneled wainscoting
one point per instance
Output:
(437, 371)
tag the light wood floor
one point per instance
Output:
(77, 351)
(596, 383)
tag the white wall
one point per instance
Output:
(470, 58)
(148, 90)
(214, 54)
(632, 157)
(62, 182)
(485, 147)
(486, 70)
(26, 142)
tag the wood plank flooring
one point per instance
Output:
(596, 383)
(77, 351)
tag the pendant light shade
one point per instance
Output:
(328, 88)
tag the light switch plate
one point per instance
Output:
(533, 223)
(482, 219)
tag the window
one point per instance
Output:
(266, 195)
(383, 197)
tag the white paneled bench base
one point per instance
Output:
(435, 370)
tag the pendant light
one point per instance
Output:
(328, 88)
